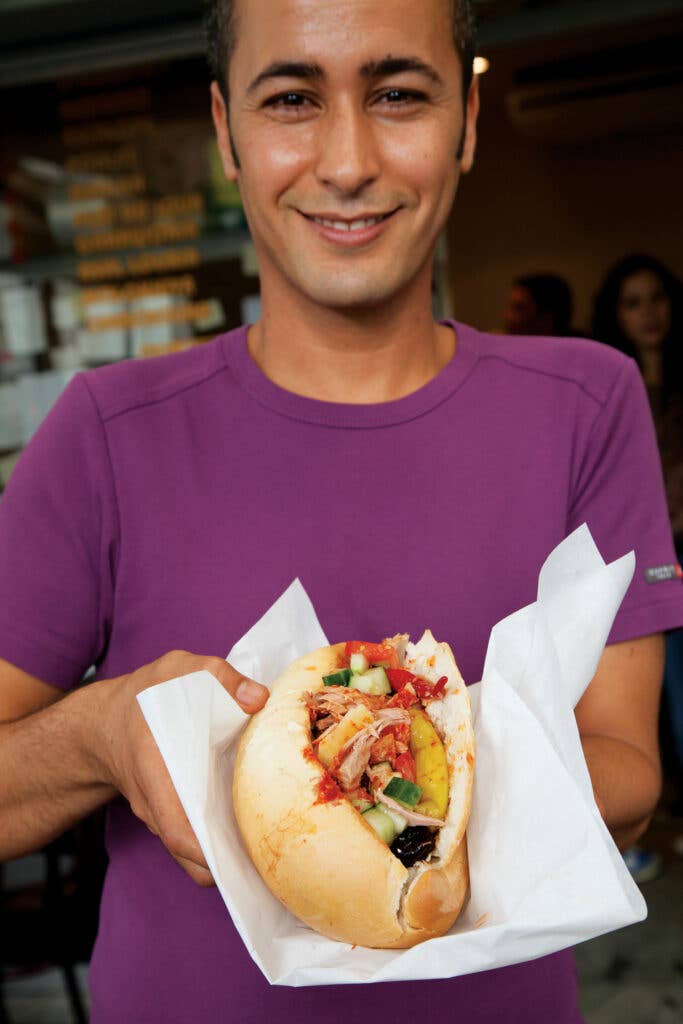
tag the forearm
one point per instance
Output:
(626, 784)
(49, 772)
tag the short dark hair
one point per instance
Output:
(551, 294)
(221, 33)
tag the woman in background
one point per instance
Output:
(639, 310)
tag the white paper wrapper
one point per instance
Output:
(544, 871)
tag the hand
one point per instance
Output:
(129, 759)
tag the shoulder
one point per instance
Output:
(136, 383)
(589, 366)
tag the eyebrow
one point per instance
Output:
(397, 65)
(287, 69)
(372, 70)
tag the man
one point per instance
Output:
(411, 473)
(539, 304)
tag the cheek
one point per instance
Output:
(625, 320)
(665, 313)
(421, 163)
(280, 157)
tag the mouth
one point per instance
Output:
(349, 232)
(344, 224)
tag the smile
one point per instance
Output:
(351, 225)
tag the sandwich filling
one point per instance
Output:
(370, 731)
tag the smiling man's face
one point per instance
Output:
(347, 117)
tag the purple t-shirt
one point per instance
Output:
(166, 503)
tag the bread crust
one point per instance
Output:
(318, 856)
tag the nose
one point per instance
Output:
(348, 158)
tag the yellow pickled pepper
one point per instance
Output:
(431, 767)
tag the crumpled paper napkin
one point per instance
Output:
(544, 871)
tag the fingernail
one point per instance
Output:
(249, 693)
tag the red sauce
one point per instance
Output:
(328, 790)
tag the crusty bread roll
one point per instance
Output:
(320, 858)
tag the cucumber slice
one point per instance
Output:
(375, 681)
(381, 823)
(359, 663)
(340, 678)
(403, 790)
(399, 821)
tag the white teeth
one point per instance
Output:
(342, 225)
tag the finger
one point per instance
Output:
(171, 823)
(202, 876)
(154, 799)
(251, 696)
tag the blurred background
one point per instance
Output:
(120, 238)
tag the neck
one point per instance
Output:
(651, 359)
(352, 356)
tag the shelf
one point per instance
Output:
(212, 247)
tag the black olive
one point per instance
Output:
(415, 843)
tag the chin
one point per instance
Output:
(360, 291)
(651, 344)
(349, 299)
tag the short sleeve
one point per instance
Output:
(58, 545)
(619, 493)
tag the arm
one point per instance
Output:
(60, 759)
(618, 721)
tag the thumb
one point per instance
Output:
(250, 695)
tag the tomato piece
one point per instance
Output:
(405, 698)
(405, 764)
(401, 733)
(398, 677)
(428, 691)
(377, 654)
(440, 686)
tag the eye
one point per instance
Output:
(290, 103)
(401, 97)
(288, 99)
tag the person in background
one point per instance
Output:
(539, 304)
(639, 311)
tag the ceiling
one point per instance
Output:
(503, 22)
(44, 39)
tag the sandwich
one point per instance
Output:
(352, 790)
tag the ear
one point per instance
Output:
(471, 116)
(220, 122)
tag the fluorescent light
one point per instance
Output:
(481, 65)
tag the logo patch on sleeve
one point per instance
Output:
(660, 573)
